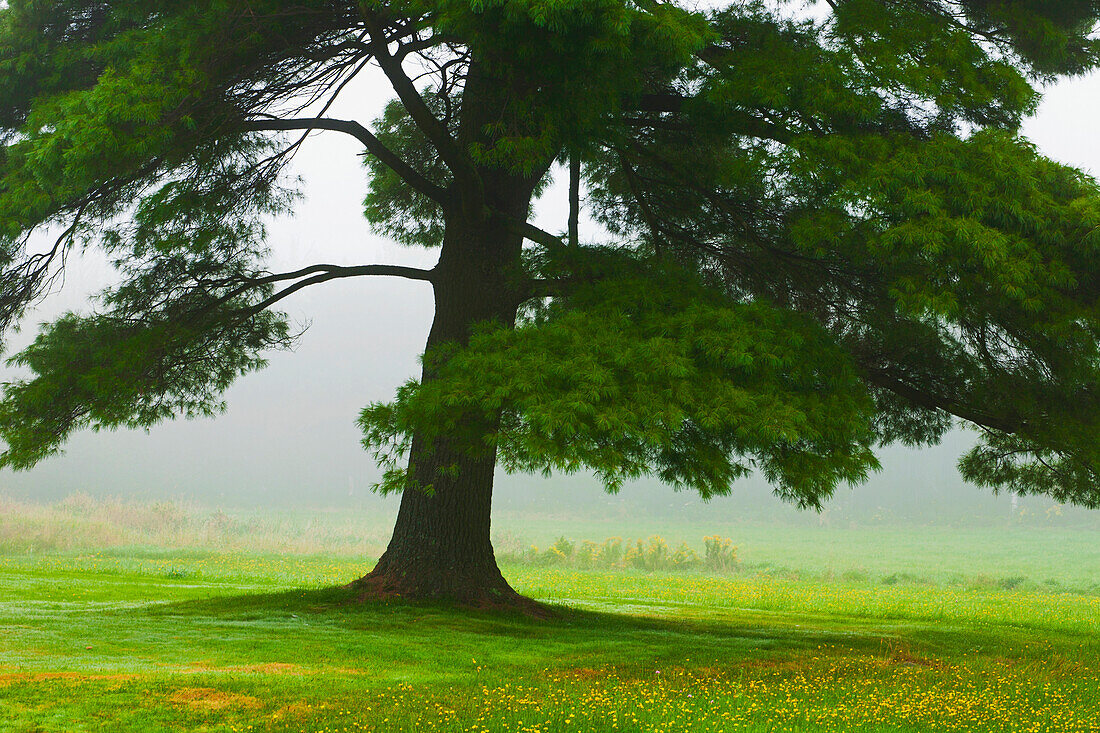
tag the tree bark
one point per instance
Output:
(574, 199)
(441, 546)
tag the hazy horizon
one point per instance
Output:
(289, 435)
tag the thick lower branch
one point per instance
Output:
(334, 272)
(529, 231)
(373, 145)
(931, 401)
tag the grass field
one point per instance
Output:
(883, 629)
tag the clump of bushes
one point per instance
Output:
(903, 578)
(653, 554)
(721, 555)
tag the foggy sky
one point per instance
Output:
(289, 432)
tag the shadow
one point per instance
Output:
(427, 628)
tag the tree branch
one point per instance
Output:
(31, 278)
(449, 151)
(326, 273)
(373, 145)
(880, 378)
(647, 213)
(574, 199)
(544, 288)
(411, 273)
(744, 123)
(532, 232)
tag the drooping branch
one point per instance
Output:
(713, 198)
(373, 145)
(928, 400)
(739, 121)
(639, 198)
(31, 278)
(332, 97)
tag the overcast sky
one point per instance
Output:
(289, 432)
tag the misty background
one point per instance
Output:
(289, 439)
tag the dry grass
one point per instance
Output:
(206, 698)
(82, 522)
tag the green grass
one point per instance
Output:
(1065, 557)
(146, 639)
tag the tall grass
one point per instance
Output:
(1049, 560)
(83, 522)
(652, 554)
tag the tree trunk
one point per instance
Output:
(441, 547)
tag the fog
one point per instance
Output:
(289, 438)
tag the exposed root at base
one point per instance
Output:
(499, 596)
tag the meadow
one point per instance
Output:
(143, 617)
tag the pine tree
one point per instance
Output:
(825, 235)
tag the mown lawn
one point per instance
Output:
(132, 640)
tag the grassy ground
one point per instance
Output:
(819, 630)
(122, 616)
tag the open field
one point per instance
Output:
(871, 630)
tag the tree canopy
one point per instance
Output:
(824, 232)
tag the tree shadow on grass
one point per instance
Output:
(433, 633)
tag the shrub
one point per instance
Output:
(895, 578)
(565, 547)
(588, 554)
(611, 552)
(721, 554)
(1010, 583)
(554, 556)
(652, 554)
(686, 558)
